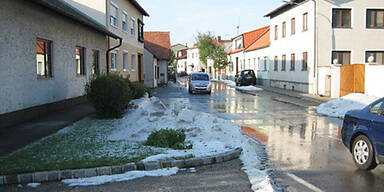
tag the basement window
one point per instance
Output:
(43, 58)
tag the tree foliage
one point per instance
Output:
(219, 57)
(172, 61)
(208, 49)
(206, 46)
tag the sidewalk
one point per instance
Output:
(304, 96)
(20, 135)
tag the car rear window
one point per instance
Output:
(200, 77)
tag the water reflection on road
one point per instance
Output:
(297, 140)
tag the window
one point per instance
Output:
(284, 29)
(341, 18)
(265, 63)
(375, 18)
(276, 63)
(133, 27)
(125, 21)
(249, 63)
(125, 61)
(114, 61)
(140, 30)
(95, 62)
(43, 58)
(342, 57)
(80, 64)
(258, 64)
(378, 56)
(133, 60)
(377, 109)
(283, 62)
(293, 26)
(254, 64)
(293, 62)
(305, 62)
(276, 32)
(113, 15)
(305, 22)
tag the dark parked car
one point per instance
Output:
(363, 135)
(246, 77)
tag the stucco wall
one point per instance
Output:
(252, 62)
(130, 43)
(20, 86)
(94, 9)
(195, 61)
(298, 43)
(163, 71)
(181, 65)
(373, 79)
(149, 70)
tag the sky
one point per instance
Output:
(185, 18)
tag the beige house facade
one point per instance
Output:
(125, 19)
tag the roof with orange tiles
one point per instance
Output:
(261, 42)
(234, 51)
(158, 43)
(251, 36)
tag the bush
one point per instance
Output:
(139, 90)
(109, 94)
(168, 138)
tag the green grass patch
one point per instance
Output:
(82, 145)
(168, 138)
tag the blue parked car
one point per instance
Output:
(363, 135)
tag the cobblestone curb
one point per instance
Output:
(46, 176)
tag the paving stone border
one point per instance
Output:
(46, 176)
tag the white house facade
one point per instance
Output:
(193, 60)
(320, 36)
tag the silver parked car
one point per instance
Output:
(199, 82)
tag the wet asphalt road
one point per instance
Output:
(304, 149)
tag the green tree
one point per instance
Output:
(206, 46)
(219, 57)
(172, 61)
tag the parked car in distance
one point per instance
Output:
(199, 82)
(363, 134)
(246, 77)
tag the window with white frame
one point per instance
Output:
(125, 61)
(265, 63)
(254, 64)
(125, 21)
(113, 10)
(133, 60)
(114, 60)
(133, 20)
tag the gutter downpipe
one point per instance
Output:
(110, 49)
(315, 70)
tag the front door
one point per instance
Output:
(237, 65)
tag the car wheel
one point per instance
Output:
(190, 91)
(363, 153)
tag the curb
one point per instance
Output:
(46, 176)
